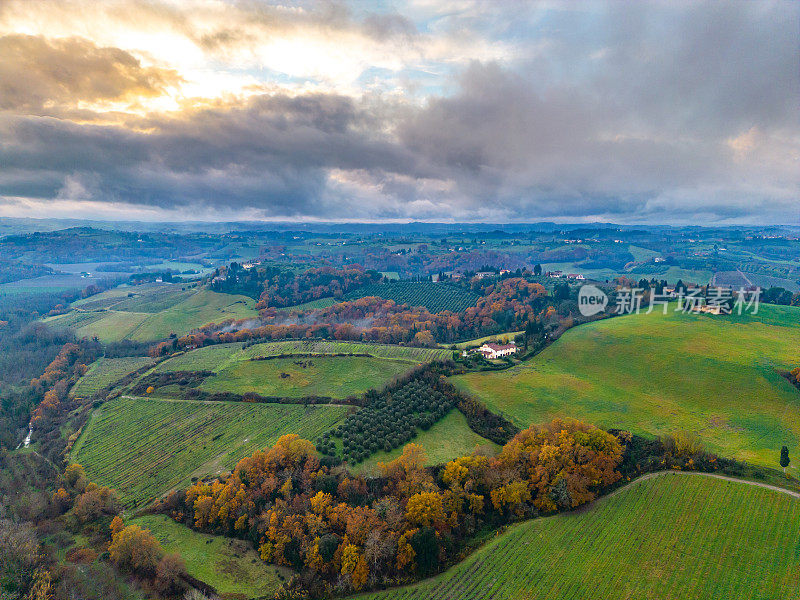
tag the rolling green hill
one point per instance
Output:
(716, 376)
(151, 312)
(673, 536)
(218, 357)
(231, 566)
(291, 372)
(332, 376)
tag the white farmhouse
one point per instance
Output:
(497, 350)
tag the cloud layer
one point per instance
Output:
(457, 110)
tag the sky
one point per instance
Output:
(432, 110)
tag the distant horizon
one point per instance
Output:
(288, 223)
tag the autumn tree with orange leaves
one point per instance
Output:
(344, 532)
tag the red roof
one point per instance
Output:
(497, 347)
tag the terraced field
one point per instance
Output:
(145, 447)
(105, 372)
(715, 376)
(151, 312)
(231, 566)
(435, 297)
(681, 536)
(216, 358)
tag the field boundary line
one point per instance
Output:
(647, 476)
(212, 402)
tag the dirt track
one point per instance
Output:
(714, 475)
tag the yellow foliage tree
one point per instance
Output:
(513, 495)
(360, 574)
(76, 477)
(117, 525)
(42, 588)
(570, 454)
(350, 558)
(424, 508)
(405, 553)
(136, 549)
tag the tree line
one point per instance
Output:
(506, 304)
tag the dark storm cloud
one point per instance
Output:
(272, 152)
(644, 103)
(660, 112)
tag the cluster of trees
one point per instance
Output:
(78, 518)
(390, 418)
(14, 270)
(23, 355)
(135, 550)
(485, 423)
(343, 532)
(235, 279)
(102, 245)
(423, 262)
(56, 408)
(22, 566)
(278, 287)
(26, 348)
(313, 284)
(506, 304)
(779, 295)
(794, 376)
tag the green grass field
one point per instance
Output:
(673, 536)
(153, 312)
(105, 372)
(202, 307)
(143, 447)
(333, 376)
(216, 358)
(715, 376)
(500, 337)
(107, 326)
(231, 566)
(642, 254)
(435, 297)
(447, 439)
(152, 298)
